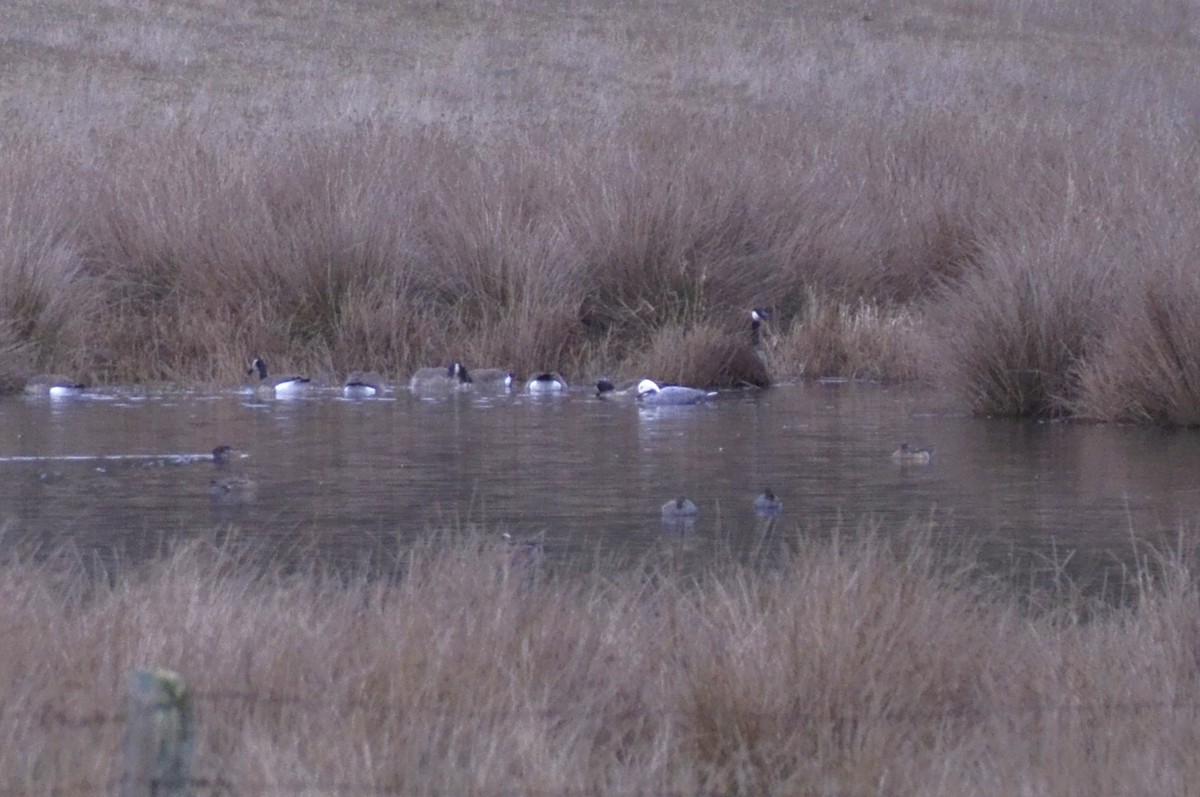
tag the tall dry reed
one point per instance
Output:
(595, 192)
(848, 666)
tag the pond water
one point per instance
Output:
(114, 472)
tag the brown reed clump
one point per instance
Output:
(1012, 336)
(180, 196)
(841, 666)
(704, 357)
(851, 340)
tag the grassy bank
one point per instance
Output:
(997, 199)
(850, 667)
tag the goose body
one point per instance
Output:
(440, 379)
(362, 384)
(54, 386)
(910, 455)
(495, 378)
(546, 383)
(649, 393)
(288, 386)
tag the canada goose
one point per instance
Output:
(496, 378)
(54, 386)
(648, 392)
(450, 377)
(767, 504)
(288, 386)
(757, 316)
(606, 389)
(362, 384)
(910, 455)
(546, 383)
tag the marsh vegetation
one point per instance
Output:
(848, 666)
(997, 198)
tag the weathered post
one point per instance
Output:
(159, 735)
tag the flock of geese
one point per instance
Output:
(437, 380)
(677, 514)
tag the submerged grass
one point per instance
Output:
(847, 667)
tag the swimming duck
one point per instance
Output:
(679, 515)
(288, 386)
(679, 508)
(648, 392)
(496, 378)
(546, 383)
(606, 389)
(910, 455)
(54, 386)
(435, 379)
(222, 455)
(767, 504)
(362, 384)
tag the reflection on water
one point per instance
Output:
(581, 474)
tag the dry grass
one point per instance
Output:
(848, 667)
(342, 185)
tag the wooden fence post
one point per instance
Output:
(159, 735)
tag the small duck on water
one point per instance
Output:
(223, 455)
(679, 514)
(909, 455)
(767, 504)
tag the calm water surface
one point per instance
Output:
(585, 474)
